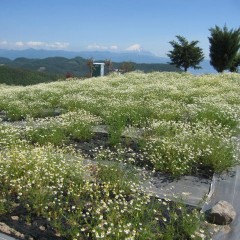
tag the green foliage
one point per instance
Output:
(55, 136)
(185, 54)
(154, 67)
(60, 130)
(150, 67)
(127, 67)
(224, 46)
(235, 64)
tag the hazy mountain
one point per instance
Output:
(35, 53)
(134, 56)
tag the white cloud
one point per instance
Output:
(58, 45)
(114, 47)
(46, 45)
(96, 46)
(101, 47)
(3, 42)
(134, 47)
(35, 44)
(19, 44)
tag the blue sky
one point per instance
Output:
(122, 25)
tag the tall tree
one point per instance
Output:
(90, 65)
(184, 54)
(108, 64)
(224, 46)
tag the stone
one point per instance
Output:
(15, 218)
(3, 115)
(42, 228)
(57, 112)
(222, 213)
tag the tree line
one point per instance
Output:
(128, 66)
(224, 51)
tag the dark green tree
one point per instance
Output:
(235, 64)
(224, 46)
(184, 54)
(127, 67)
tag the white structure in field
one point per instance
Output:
(98, 69)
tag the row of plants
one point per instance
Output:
(211, 97)
(177, 149)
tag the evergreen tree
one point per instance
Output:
(185, 54)
(224, 45)
(235, 64)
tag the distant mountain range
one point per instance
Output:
(133, 56)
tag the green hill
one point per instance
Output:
(52, 65)
(4, 60)
(24, 77)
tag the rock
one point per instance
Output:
(222, 213)
(15, 218)
(3, 115)
(42, 228)
(57, 112)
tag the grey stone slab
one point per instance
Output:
(100, 129)
(6, 237)
(188, 189)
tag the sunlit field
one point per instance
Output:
(172, 123)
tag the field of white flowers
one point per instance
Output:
(186, 124)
